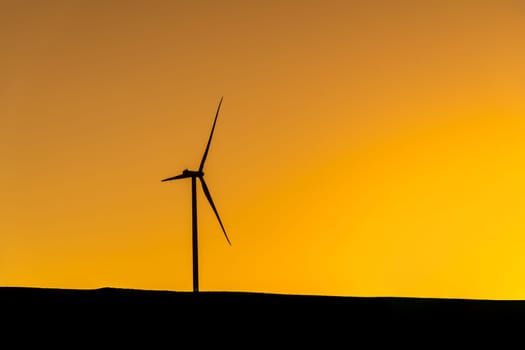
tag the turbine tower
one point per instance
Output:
(194, 174)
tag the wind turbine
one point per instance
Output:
(194, 175)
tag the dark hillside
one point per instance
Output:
(128, 314)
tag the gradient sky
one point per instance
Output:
(364, 148)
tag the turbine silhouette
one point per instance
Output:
(200, 175)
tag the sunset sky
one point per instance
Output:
(363, 148)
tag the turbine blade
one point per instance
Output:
(209, 140)
(208, 195)
(181, 176)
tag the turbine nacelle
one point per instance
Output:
(185, 173)
(192, 173)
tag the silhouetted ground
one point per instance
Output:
(124, 316)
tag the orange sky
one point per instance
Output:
(368, 148)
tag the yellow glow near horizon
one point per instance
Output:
(363, 148)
